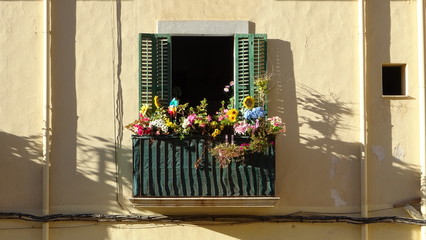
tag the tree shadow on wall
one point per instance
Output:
(328, 158)
(94, 182)
(322, 160)
(20, 173)
(325, 116)
(311, 150)
(109, 167)
(82, 189)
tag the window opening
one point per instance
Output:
(201, 67)
(393, 80)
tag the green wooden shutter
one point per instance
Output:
(155, 77)
(250, 63)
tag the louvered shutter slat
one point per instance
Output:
(250, 63)
(154, 68)
(145, 70)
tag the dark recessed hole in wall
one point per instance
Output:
(393, 80)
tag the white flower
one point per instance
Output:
(160, 124)
(186, 123)
(275, 121)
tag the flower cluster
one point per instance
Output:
(249, 120)
(175, 120)
(225, 153)
(228, 87)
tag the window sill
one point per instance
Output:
(205, 202)
(396, 96)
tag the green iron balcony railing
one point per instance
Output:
(166, 166)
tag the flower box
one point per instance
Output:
(166, 166)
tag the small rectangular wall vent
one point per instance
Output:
(393, 80)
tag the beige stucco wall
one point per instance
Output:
(20, 106)
(312, 49)
(393, 148)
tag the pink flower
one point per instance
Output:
(244, 146)
(191, 118)
(241, 128)
(256, 125)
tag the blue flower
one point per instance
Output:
(248, 115)
(258, 112)
(253, 114)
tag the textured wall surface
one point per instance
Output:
(313, 58)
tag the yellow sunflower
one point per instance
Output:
(248, 102)
(144, 109)
(232, 112)
(216, 132)
(232, 118)
(157, 102)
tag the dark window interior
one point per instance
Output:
(393, 82)
(202, 66)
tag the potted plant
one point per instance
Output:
(185, 151)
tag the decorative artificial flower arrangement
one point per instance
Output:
(250, 120)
